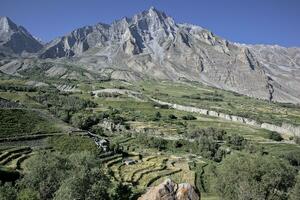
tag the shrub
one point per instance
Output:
(237, 142)
(171, 116)
(275, 136)
(188, 117)
(157, 116)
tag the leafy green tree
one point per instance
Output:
(45, 173)
(86, 182)
(252, 176)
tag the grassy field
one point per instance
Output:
(22, 122)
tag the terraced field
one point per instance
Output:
(149, 170)
(13, 157)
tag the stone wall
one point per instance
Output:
(286, 129)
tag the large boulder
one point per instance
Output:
(169, 190)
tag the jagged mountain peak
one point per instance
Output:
(16, 39)
(7, 25)
(151, 44)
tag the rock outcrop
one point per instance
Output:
(16, 39)
(170, 190)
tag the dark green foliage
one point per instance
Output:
(237, 142)
(206, 96)
(14, 87)
(152, 142)
(84, 121)
(157, 116)
(63, 105)
(7, 175)
(171, 116)
(98, 130)
(121, 192)
(252, 176)
(293, 157)
(188, 117)
(46, 172)
(275, 136)
(75, 176)
(217, 134)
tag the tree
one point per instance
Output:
(252, 176)
(45, 173)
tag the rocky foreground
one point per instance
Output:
(170, 190)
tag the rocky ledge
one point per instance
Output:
(169, 190)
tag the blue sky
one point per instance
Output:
(244, 21)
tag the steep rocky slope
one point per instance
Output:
(16, 39)
(151, 45)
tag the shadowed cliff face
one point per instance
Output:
(170, 190)
(16, 39)
(151, 45)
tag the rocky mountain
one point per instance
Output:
(16, 39)
(151, 45)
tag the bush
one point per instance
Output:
(157, 116)
(84, 121)
(237, 142)
(188, 117)
(275, 136)
(171, 116)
